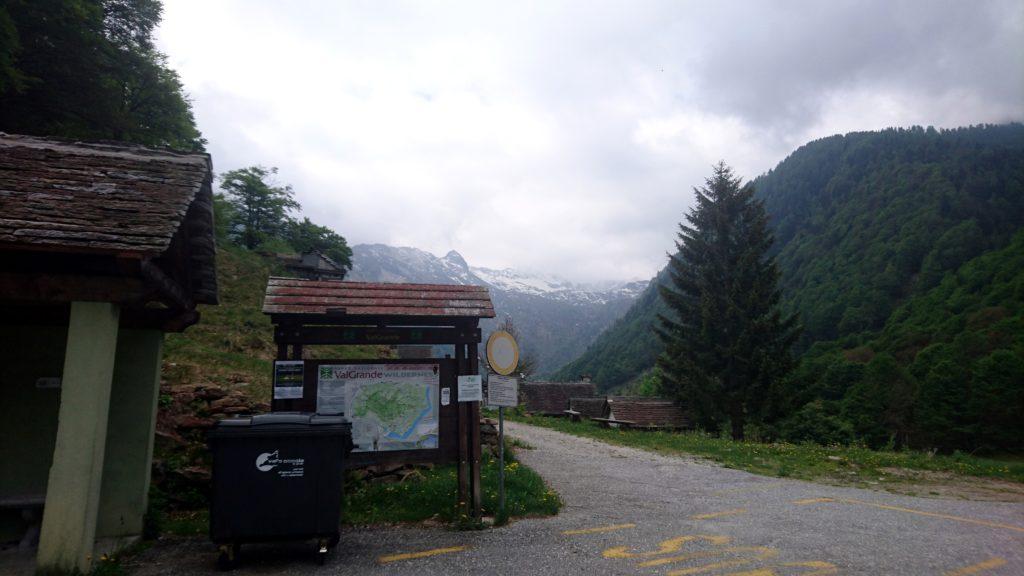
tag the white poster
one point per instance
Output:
(390, 406)
(471, 389)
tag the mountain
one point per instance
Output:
(863, 222)
(556, 318)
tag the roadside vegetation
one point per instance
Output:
(841, 464)
(430, 495)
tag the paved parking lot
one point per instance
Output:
(633, 512)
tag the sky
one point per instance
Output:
(565, 138)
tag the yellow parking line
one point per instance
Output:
(423, 554)
(599, 529)
(979, 567)
(718, 514)
(813, 501)
(912, 511)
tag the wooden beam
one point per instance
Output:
(53, 288)
(474, 439)
(464, 496)
(311, 335)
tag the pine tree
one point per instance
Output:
(726, 340)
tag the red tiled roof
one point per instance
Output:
(647, 412)
(552, 398)
(315, 297)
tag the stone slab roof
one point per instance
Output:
(589, 407)
(109, 199)
(646, 412)
(552, 398)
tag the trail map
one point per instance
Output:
(390, 406)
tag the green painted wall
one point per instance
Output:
(28, 415)
(132, 420)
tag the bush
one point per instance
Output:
(816, 422)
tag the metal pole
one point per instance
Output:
(501, 460)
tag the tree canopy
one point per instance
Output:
(89, 69)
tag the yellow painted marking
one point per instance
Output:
(665, 547)
(423, 554)
(813, 501)
(718, 514)
(919, 513)
(823, 569)
(752, 488)
(757, 552)
(599, 529)
(707, 568)
(979, 567)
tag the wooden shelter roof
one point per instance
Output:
(117, 200)
(298, 296)
(647, 412)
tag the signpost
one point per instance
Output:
(502, 391)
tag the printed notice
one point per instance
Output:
(288, 379)
(502, 391)
(470, 389)
(446, 396)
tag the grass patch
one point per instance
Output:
(431, 494)
(804, 461)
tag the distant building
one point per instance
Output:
(595, 407)
(313, 265)
(646, 412)
(552, 398)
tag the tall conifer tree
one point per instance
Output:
(726, 340)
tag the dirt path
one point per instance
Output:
(634, 512)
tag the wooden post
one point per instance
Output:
(474, 438)
(463, 432)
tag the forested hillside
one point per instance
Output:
(864, 224)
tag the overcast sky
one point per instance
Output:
(566, 137)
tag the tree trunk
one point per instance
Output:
(737, 419)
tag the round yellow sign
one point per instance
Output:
(502, 352)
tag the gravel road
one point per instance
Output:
(633, 512)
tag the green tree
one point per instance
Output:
(89, 69)
(997, 403)
(305, 236)
(260, 207)
(726, 340)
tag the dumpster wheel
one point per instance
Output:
(228, 557)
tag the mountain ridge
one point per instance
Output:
(556, 318)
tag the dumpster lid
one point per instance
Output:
(283, 419)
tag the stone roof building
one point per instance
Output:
(552, 398)
(103, 248)
(645, 412)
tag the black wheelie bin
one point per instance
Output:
(277, 477)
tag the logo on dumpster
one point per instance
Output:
(290, 467)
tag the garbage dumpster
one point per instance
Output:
(277, 477)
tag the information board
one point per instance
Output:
(502, 391)
(390, 406)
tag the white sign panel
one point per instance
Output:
(471, 389)
(390, 406)
(502, 391)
